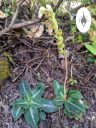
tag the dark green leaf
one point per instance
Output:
(58, 101)
(42, 115)
(25, 89)
(91, 59)
(17, 112)
(75, 108)
(48, 106)
(38, 91)
(56, 86)
(32, 117)
(68, 113)
(73, 115)
(75, 105)
(20, 102)
(75, 94)
(36, 103)
(61, 93)
(58, 89)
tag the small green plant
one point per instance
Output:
(74, 104)
(72, 81)
(32, 105)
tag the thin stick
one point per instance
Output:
(19, 25)
(16, 13)
(66, 76)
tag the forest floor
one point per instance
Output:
(36, 59)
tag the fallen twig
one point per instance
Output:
(18, 25)
(16, 13)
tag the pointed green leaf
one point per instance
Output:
(56, 86)
(36, 103)
(75, 94)
(75, 108)
(58, 89)
(20, 102)
(68, 113)
(75, 105)
(42, 115)
(58, 101)
(32, 117)
(25, 89)
(61, 93)
(17, 112)
(48, 106)
(38, 91)
(91, 48)
(73, 115)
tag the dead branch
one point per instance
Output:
(16, 13)
(18, 25)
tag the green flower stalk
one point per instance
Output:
(53, 28)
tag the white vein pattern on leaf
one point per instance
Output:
(36, 103)
(36, 94)
(31, 111)
(48, 106)
(25, 91)
(18, 110)
(74, 113)
(76, 106)
(22, 103)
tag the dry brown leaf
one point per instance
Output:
(35, 32)
(2, 15)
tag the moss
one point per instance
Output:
(4, 70)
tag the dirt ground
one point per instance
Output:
(37, 60)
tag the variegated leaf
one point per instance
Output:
(38, 91)
(74, 105)
(58, 101)
(21, 103)
(56, 86)
(48, 106)
(25, 89)
(32, 117)
(75, 94)
(17, 112)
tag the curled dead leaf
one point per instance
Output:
(2, 15)
(35, 31)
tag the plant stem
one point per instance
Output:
(66, 75)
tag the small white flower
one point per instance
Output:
(48, 6)
(41, 12)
